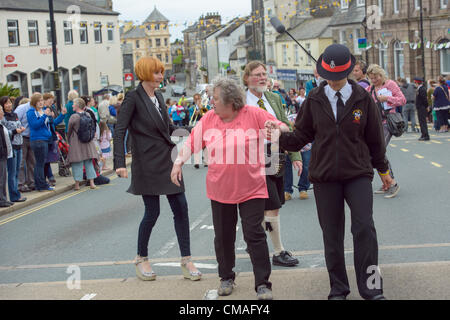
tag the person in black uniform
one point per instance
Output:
(422, 106)
(345, 125)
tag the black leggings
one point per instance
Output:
(179, 207)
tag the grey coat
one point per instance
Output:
(150, 141)
(79, 151)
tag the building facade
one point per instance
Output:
(88, 47)
(396, 43)
(151, 38)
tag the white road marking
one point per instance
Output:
(177, 265)
(88, 296)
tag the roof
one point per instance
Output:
(352, 15)
(133, 33)
(309, 29)
(156, 16)
(234, 24)
(59, 6)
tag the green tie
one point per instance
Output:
(261, 104)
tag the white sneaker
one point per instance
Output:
(380, 191)
(392, 191)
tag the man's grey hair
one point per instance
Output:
(230, 92)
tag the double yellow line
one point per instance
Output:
(42, 206)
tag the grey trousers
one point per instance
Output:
(26, 172)
(409, 109)
(3, 180)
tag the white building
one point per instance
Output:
(88, 46)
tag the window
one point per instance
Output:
(137, 44)
(150, 43)
(159, 57)
(36, 81)
(383, 56)
(13, 33)
(284, 52)
(381, 7)
(98, 32)
(360, 3)
(158, 42)
(33, 37)
(296, 55)
(344, 4)
(49, 32)
(83, 32)
(165, 42)
(110, 32)
(343, 37)
(396, 6)
(68, 32)
(157, 26)
(444, 4)
(399, 60)
(308, 59)
(167, 58)
(445, 59)
(417, 4)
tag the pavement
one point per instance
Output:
(63, 184)
(406, 281)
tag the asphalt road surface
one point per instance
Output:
(96, 230)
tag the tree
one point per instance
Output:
(8, 90)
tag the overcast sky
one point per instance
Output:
(180, 11)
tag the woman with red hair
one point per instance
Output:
(144, 113)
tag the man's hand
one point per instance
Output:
(122, 172)
(298, 165)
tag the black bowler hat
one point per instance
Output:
(335, 63)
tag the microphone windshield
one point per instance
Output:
(276, 23)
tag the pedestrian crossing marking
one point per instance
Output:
(418, 156)
(436, 164)
(393, 145)
(435, 141)
(404, 150)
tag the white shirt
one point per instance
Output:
(345, 91)
(252, 100)
(156, 103)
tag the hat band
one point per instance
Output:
(344, 67)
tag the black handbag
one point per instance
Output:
(394, 121)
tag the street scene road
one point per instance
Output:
(95, 231)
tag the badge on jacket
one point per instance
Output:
(357, 116)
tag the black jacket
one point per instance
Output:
(150, 142)
(422, 98)
(341, 151)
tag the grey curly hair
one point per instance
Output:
(230, 92)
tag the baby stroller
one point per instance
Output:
(63, 164)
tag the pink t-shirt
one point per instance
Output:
(236, 167)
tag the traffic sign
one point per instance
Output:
(128, 77)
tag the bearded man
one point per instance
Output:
(255, 79)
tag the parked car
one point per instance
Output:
(178, 91)
(201, 87)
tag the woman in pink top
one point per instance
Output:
(234, 138)
(389, 94)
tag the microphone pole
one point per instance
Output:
(276, 23)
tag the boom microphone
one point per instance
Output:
(276, 23)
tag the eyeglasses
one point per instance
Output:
(259, 75)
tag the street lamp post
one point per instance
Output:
(422, 47)
(56, 83)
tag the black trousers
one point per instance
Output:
(224, 221)
(330, 208)
(422, 115)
